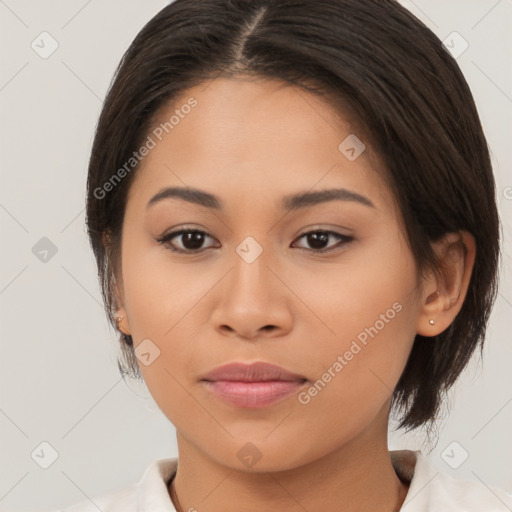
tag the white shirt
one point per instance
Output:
(429, 490)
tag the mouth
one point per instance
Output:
(252, 386)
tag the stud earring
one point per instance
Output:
(431, 322)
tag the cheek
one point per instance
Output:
(356, 378)
(162, 300)
(371, 311)
(158, 292)
(364, 290)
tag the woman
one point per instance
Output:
(291, 204)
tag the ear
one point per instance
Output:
(120, 312)
(444, 290)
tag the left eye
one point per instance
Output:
(317, 239)
(193, 239)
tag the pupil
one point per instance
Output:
(319, 239)
(195, 239)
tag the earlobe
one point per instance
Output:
(121, 322)
(120, 313)
(446, 288)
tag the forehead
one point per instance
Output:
(247, 136)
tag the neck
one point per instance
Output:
(358, 475)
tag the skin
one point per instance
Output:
(251, 143)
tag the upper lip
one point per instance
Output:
(254, 372)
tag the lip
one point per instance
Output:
(254, 372)
(253, 385)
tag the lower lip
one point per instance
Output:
(253, 395)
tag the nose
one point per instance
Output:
(253, 301)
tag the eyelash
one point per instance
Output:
(165, 239)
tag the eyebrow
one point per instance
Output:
(300, 200)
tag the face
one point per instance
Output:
(323, 287)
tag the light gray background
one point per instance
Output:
(58, 374)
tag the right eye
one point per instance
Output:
(191, 240)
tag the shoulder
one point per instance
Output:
(433, 490)
(148, 494)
